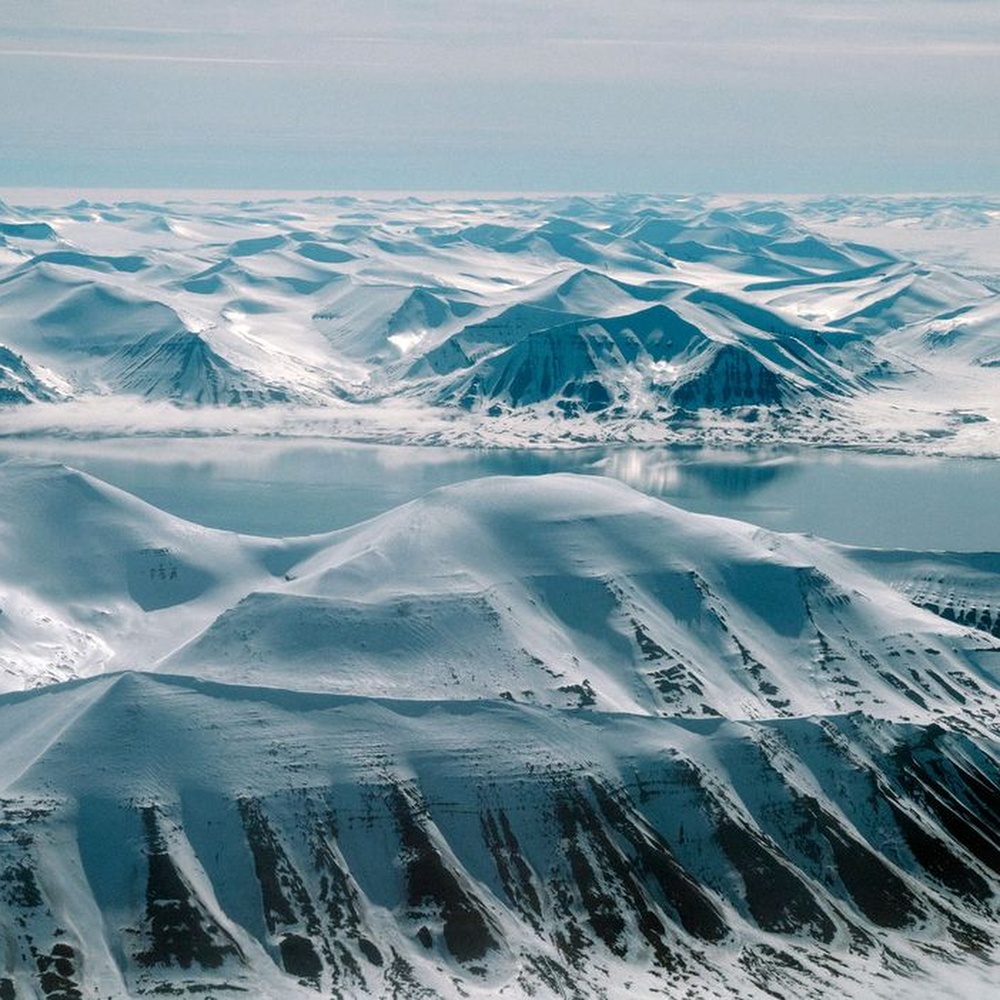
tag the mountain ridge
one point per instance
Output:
(322, 310)
(524, 736)
(657, 880)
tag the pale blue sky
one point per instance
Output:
(653, 95)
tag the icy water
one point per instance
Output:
(288, 488)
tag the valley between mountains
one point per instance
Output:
(525, 736)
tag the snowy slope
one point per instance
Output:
(601, 318)
(558, 590)
(93, 578)
(574, 590)
(373, 848)
(523, 737)
(19, 383)
(183, 367)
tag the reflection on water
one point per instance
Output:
(655, 472)
(274, 487)
(737, 481)
(666, 473)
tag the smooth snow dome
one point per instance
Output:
(639, 95)
(557, 590)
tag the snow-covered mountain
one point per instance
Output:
(603, 318)
(19, 383)
(94, 579)
(523, 737)
(183, 367)
(167, 836)
(584, 592)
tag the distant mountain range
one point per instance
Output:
(614, 318)
(539, 736)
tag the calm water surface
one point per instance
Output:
(288, 488)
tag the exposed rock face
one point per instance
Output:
(18, 383)
(578, 856)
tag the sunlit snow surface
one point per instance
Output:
(867, 322)
(523, 736)
(527, 736)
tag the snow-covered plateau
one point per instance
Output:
(523, 737)
(517, 320)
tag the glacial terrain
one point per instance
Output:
(524, 736)
(505, 320)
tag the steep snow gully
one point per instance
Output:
(540, 737)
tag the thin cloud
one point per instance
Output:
(834, 46)
(140, 57)
(797, 94)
